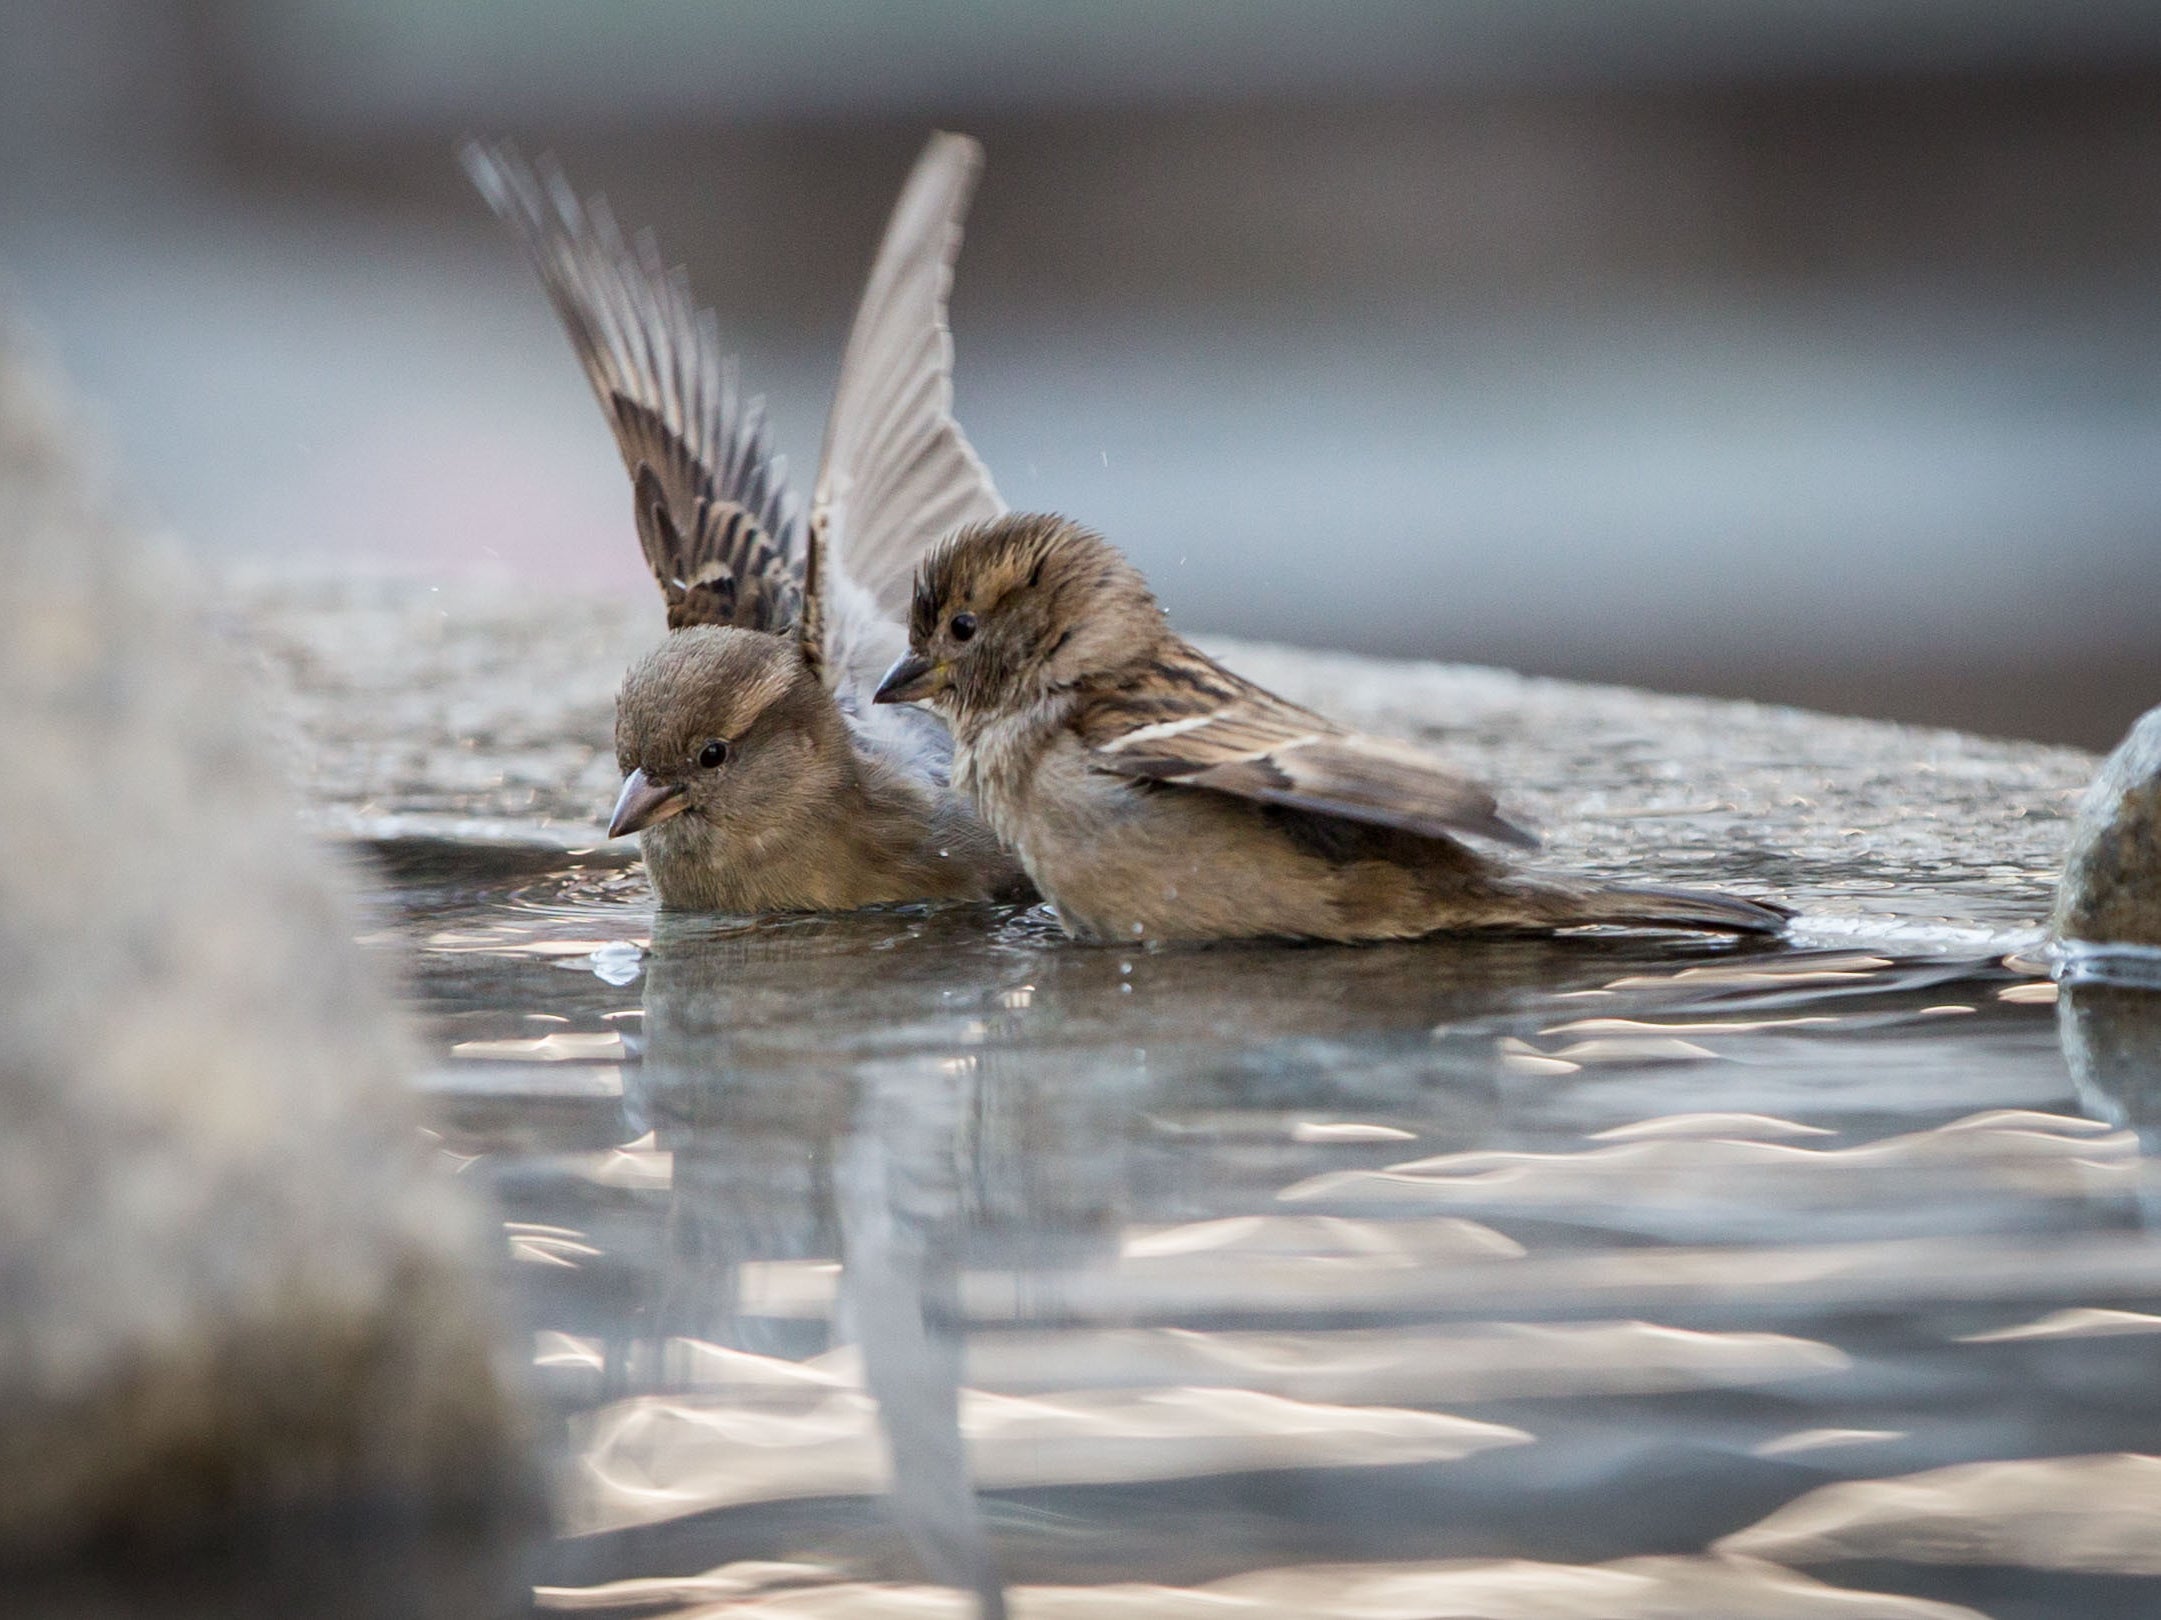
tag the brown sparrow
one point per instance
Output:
(1153, 795)
(755, 769)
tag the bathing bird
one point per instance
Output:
(1152, 794)
(756, 771)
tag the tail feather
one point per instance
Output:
(1681, 908)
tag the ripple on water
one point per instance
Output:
(920, 1244)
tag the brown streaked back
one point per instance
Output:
(1194, 723)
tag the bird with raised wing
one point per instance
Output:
(1151, 794)
(755, 769)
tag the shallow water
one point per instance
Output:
(1503, 1278)
(1148, 1270)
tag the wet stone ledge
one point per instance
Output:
(485, 715)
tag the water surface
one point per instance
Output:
(925, 1263)
(869, 1260)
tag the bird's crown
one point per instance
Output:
(1040, 554)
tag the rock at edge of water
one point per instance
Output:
(2111, 889)
(232, 1280)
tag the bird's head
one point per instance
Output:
(730, 729)
(1010, 610)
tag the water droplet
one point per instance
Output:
(618, 962)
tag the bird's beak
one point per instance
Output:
(911, 679)
(644, 803)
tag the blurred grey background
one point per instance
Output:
(1803, 350)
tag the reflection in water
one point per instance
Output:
(1503, 1278)
(1701, 1173)
(2097, 1514)
(655, 1457)
(2112, 1042)
(1720, 1588)
(898, 1191)
(2080, 1321)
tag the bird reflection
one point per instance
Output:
(827, 991)
(905, 1169)
(979, 1037)
(900, 1200)
(1031, 1215)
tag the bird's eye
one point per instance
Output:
(713, 755)
(963, 626)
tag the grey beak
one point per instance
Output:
(910, 678)
(643, 803)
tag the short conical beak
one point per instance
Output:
(911, 679)
(643, 803)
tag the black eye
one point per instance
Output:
(713, 755)
(963, 626)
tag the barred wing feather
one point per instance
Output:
(720, 529)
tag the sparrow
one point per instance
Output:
(1151, 794)
(756, 772)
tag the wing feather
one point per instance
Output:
(720, 528)
(897, 473)
(1198, 725)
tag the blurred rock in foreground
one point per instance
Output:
(231, 1281)
(2111, 891)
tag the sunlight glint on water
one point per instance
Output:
(1565, 1258)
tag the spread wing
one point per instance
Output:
(897, 473)
(721, 532)
(1198, 725)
